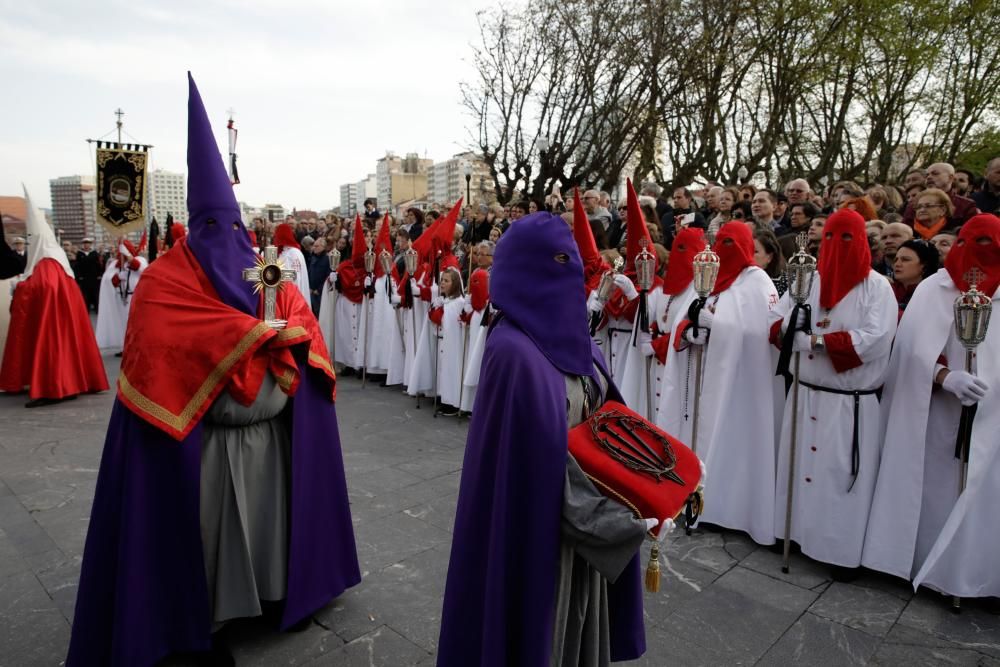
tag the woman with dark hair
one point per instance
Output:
(768, 256)
(414, 223)
(916, 259)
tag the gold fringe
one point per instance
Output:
(653, 570)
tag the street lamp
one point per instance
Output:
(467, 170)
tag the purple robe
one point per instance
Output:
(500, 597)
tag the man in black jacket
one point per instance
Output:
(88, 269)
(11, 262)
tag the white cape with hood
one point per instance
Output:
(736, 425)
(113, 310)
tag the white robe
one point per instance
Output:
(944, 541)
(828, 520)
(411, 320)
(327, 315)
(450, 348)
(383, 328)
(421, 379)
(474, 358)
(112, 313)
(736, 421)
(396, 370)
(292, 258)
(348, 328)
(666, 312)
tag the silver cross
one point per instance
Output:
(269, 275)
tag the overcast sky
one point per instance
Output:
(321, 88)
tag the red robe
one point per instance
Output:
(51, 348)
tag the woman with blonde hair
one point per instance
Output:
(932, 213)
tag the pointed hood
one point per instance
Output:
(42, 243)
(971, 250)
(358, 245)
(734, 246)
(444, 234)
(216, 234)
(424, 245)
(680, 269)
(284, 237)
(844, 256)
(594, 265)
(635, 230)
(382, 242)
(537, 279)
(479, 289)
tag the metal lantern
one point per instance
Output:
(972, 312)
(706, 270)
(645, 266)
(801, 270)
(385, 259)
(410, 257)
(334, 257)
(607, 284)
(369, 260)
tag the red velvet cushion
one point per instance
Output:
(641, 491)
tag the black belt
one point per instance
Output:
(855, 440)
(612, 330)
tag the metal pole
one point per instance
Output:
(694, 426)
(793, 443)
(649, 389)
(461, 378)
(365, 303)
(437, 355)
(963, 478)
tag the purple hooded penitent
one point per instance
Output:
(499, 604)
(216, 234)
(143, 592)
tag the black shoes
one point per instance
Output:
(40, 402)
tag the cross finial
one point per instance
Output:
(119, 113)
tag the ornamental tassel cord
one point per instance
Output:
(653, 570)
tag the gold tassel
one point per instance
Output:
(653, 570)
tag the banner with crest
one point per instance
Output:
(121, 186)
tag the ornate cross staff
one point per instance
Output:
(366, 303)
(268, 276)
(645, 267)
(410, 259)
(972, 318)
(801, 271)
(334, 258)
(604, 289)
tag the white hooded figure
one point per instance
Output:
(121, 275)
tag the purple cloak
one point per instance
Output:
(499, 603)
(142, 591)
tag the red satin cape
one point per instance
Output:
(51, 348)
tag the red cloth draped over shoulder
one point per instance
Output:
(51, 348)
(183, 346)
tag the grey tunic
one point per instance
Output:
(245, 460)
(599, 538)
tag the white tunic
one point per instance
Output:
(348, 327)
(830, 507)
(383, 328)
(327, 315)
(665, 312)
(421, 379)
(474, 358)
(112, 312)
(947, 544)
(449, 350)
(292, 258)
(736, 426)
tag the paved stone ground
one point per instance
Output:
(724, 601)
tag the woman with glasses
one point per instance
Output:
(932, 213)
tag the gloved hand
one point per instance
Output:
(414, 287)
(332, 277)
(967, 387)
(277, 325)
(467, 306)
(666, 527)
(623, 283)
(368, 281)
(134, 264)
(594, 304)
(394, 297)
(705, 318)
(800, 321)
(116, 280)
(645, 343)
(802, 342)
(700, 339)
(437, 302)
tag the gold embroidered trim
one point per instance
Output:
(286, 380)
(322, 363)
(294, 332)
(180, 422)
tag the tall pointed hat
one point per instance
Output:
(594, 265)
(635, 230)
(358, 245)
(216, 234)
(42, 243)
(382, 242)
(444, 234)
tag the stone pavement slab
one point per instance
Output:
(723, 599)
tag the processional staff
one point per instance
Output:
(334, 257)
(645, 267)
(269, 276)
(972, 318)
(410, 257)
(801, 271)
(604, 289)
(706, 270)
(366, 305)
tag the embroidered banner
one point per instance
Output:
(121, 187)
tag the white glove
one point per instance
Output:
(437, 302)
(332, 278)
(467, 306)
(666, 527)
(368, 281)
(414, 287)
(800, 321)
(594, 304)
(700, 339)
(802, 342)
(277, 325)
(625, 285)
(394, 297)
(967, 387)
(705, 318)
(645, 343)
